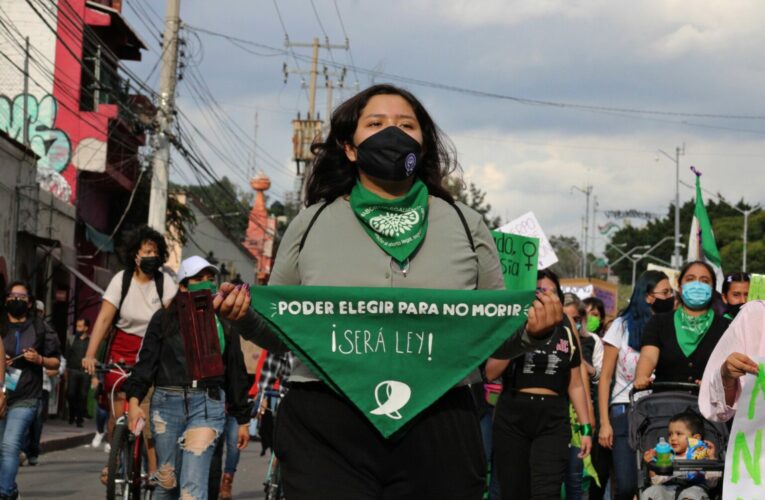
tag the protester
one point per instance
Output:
(677, 345)
(735, 293)
(532, 430)
(651, 295)
(77, 381)
(733, 357)
(383, 150)
(28, 344)
(596, 315)
(684, 429)
(132, 297)
(187, 416)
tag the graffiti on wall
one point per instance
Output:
(50, 144)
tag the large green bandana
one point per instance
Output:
(398, 226)
(392, 352)
(691, 329)
(213, 289)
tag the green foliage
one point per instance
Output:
(473, 197)
(225, 201)
(727, 224)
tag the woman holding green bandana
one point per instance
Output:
(379, 215)
(187, 413)
(678, 344)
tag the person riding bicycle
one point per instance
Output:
(187, 414)
(130, 300)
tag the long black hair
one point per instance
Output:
(546, 273)
(638, 312)
(684, 270)
(334, 175)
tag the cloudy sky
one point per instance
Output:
(695, 69)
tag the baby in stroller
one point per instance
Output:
(650, 417)
(685, 430)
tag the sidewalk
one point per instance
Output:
(59, 435)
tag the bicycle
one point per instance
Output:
(272, 483)
(126, 477)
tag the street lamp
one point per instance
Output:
(677, 261)
(638, 257)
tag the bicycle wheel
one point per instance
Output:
(118, 474)
(216, 471)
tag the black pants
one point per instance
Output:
(531, 439)
(329, 450)
(77, 385)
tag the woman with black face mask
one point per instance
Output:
(29, 344)
(735, 293)
(379, 215)
(130, 300)
(678, 345)
(651, 295)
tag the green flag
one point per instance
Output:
(518, 256)
(701, 244)
(392, 352)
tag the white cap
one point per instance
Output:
(40, 305)
(192, 266)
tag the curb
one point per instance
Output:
(64, 443)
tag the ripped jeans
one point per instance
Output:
(185, 429)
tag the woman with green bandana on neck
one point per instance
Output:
(379, 215)
(677, 344)
(190, 401)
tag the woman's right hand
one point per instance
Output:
(606, 435)
(737, 365)
(642, 383)
(135, 413)
(89, 365)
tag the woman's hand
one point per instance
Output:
(642, 383)
(89, 365)
(232, 301)
(606, 435)
(243, 436)
(545, 312)
(737, 365)
(586, 447)
(33, 356)
(135, 413)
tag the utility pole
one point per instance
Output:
(25, 121)
(587, 191)
(165, 115)
(305, 132)
(677, 260)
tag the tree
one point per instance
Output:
(473, 197)
(569, 255)
(226, 201)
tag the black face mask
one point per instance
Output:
(733, 309)
(663, 305)
(17, 308)
(150, 265)
(390, 154)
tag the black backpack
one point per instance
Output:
(127, 278)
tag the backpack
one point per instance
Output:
(127, 278)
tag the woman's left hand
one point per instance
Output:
(586, 447)
(33, 356)
(243, 436)
(642, 383)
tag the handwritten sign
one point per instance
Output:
(744, 461)
(518, 256)
(528, 225)
(392, 352)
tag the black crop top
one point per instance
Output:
(547, 367)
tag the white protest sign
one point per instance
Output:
(583, 292)
(528, 225)
(744, 461)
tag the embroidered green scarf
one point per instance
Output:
(397, 226)
(691, 329)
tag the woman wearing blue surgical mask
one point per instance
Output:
(677, 345)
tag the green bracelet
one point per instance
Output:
(585, 429)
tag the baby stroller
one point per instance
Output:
(649, 418)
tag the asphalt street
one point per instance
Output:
(74, 473)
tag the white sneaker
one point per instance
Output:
(107, 448)
(97, 440)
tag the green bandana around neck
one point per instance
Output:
(213, 289)
(392, 352)
(691, 329)
(397, 226)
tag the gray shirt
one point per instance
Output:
(338, 252)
